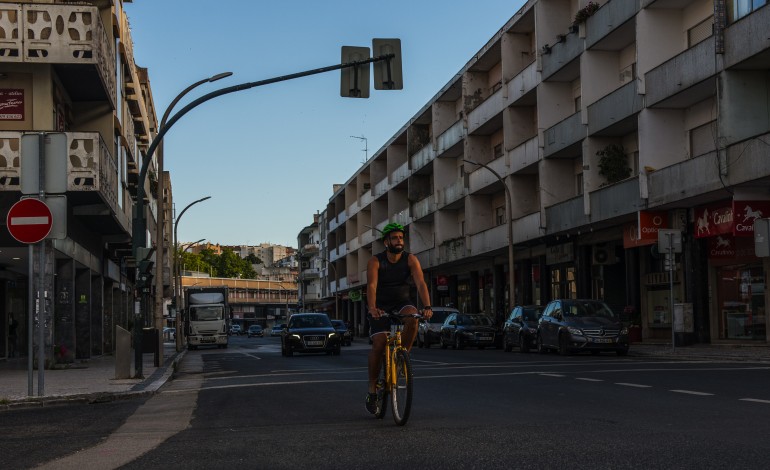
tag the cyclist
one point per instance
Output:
(387, 290)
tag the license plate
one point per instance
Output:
(208, 340)
(315, 343)
(603, 340)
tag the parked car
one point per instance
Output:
(235, 329)
(520, 328)
(569, 325)
(169, 333)
(277, 329)
(310, 332)
(255, 330)
(463, 329)
(428, 331)
(343, 331)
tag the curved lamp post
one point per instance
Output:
(138, 236)
(509, 206)
(177, 279)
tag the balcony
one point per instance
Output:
(527, 228)
(562, 55)
(423, 156)
(451, 250)
(746, 41)
(449, 142)
(381, 188)
(605, 31)
(450, 194)
(70, 38)
(481, 177)
(488, 240)
(424, 207)
(400, 174)
(92, 179)
(616, 200)
(309, 273)
(615, 114)
(522, 83)
(524, 156)
(566, 215)
(565, 137)
(488, 116)
(684, 80)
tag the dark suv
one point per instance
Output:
(570, 325)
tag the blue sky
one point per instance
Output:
(268, 156)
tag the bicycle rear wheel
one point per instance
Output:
(382, 395)
(401, 395)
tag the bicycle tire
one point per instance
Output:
(401, 395)
(382, 395)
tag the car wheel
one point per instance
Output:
(523, 344)
(564, 345)
(442, 343)
(507, 346)
(540, 346)
(458, 343)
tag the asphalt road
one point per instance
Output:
(249, 407)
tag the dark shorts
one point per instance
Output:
(382, 325)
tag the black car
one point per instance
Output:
(570, 325)
(255, 330)
(520, 328)
(467, 329)
(343, 331)
(310, 332)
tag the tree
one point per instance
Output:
(613, 163)
(252, 259)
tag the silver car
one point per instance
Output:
(428, 331)
(570, 325)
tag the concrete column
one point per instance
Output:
(64, 308)
(82, 307)
(97, 315)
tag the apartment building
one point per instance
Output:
(596, 126)
(69, 68)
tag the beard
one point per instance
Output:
(396, 250)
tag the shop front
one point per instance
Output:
(736, 275)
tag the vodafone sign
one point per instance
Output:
(29, 221)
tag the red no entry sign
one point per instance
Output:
(29, 220)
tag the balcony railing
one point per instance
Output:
(690, 68)
(523, 83)
(451, 193)
(59, 34)
(524, 155)
(563, 134)
(486, 111)
(450, 137)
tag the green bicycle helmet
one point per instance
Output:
(391, 227)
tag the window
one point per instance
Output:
(498, 151)
(737, 9)
(499, 215)
(700, 31)
(579, 184)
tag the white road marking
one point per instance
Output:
(755, 400)
(588, 379)
(625, 384)
(552, 375)
(692, 392)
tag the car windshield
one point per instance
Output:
(587, 309)
(213, 312)
(473, 320)
(339, 324)
(532, 314)
(310, 321)
(438, 317)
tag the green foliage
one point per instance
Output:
(228, 264)
(613, 163)
(585, 12)
(252, 258)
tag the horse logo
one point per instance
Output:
(722, 243)
(703, 222)
(752, 214)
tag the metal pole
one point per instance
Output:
(41, 293)
(30, 322)
(509, 206)
(670, 236)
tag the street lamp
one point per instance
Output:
(509, 206)
(178, 277)
(161, 220)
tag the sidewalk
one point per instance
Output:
(87, 381)
(93, 380)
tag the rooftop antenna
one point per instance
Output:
(366, 146)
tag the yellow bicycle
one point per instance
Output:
(396, 375)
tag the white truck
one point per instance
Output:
(207, 317)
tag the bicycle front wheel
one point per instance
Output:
(401, 395)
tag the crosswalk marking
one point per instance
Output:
(755, 400)
(625, 384)
(692, 392)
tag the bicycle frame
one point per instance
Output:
(392, 345)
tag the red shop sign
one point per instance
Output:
(11, 104)
(735, 218)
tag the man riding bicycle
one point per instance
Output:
(387, 290)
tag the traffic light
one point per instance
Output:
(354, 81)
(387, 73)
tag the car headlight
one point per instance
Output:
(624, 331)
(332, 335)
(295, 336)
(468, 333)
(575, 331)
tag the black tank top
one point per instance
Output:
(393, 281)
